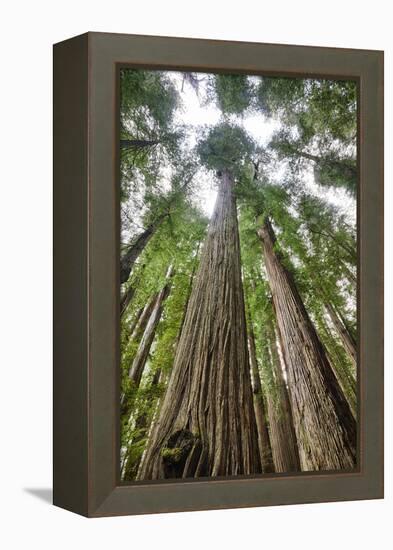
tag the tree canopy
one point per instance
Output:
(277, 159)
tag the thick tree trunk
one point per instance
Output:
(343, 331)
(282, 430)
(265, 449)
(206, 425)
(325, 426)
(142, 354)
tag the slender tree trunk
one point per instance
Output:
(283, 437)
(134, 250)
(137, 143)
(206, 425)
(325, 426)
(136, 320)
(142, 354)
(126, 299)
(338, 360)
(265, 449)
(129, 293)
(343, 331)
(136, 335)
(142, 424)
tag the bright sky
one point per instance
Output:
(197, 113)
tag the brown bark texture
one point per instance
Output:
(325, 426)
(265, 449)
(344, 333)
(206, 425)
(282, 431)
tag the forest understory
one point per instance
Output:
(238, 275)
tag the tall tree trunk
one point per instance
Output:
(138, 329)
(282, 431)
(134, 250)
(265, 449)
(325, 426)
(126, 299)
(139, 362)
(206, 425)
(129, 293)
(343, 331)
(142, 424)
(338, 360)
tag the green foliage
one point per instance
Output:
(225, 146)
(148, 102)
(233, 93)
(281, 97)
(315, 241)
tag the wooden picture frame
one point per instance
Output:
(86, 273)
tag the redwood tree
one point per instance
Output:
(206, 425)
(325, 426)
(282, 431)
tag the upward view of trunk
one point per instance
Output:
(126, 299)
(130, 467)
(134, 250)
(282, 431)
(206, 425)
(129, 293)
(145, 344)
(324, 424)
(136, 333)
(342, 370)
(343, 331)
(265, 448)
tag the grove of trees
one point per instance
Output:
(238, 323)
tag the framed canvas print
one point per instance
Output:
(218, 249)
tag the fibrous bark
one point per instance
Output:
(282, 431)
(343, 331)
(206, 425)
(325, 426)
(338, 361)
(265, 449)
